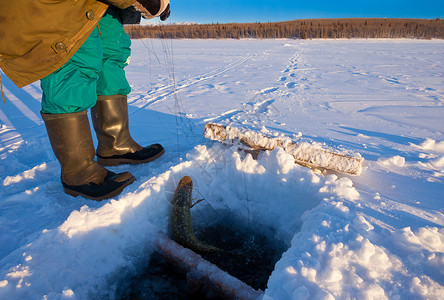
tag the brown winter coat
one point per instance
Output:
(39, 36)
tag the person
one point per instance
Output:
(78, 50)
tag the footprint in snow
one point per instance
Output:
(290, 85)
(269, 90)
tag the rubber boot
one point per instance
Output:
(116, 146)
(71, 141)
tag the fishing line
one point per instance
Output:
(183, 125)
(248, 206)
(166, 60)
(202, 216)
(150, 51)
(216, 212)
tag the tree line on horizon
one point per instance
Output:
(298, 29)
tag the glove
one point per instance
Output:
(166, 13)
(129, 15)
(153, 8)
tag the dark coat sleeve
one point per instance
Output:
(121, 3)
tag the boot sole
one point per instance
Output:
(103, 197)
(121, 161)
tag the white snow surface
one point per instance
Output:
(379, 235)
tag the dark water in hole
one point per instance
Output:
(250, 252)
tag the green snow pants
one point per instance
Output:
(97, 68)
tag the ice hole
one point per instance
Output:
(249, 252)
(249, 249)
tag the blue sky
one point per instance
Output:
(216, 11)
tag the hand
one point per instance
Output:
(166, 13)
(152, 8)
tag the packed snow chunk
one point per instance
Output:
(361, 224)
(342, 187)
(332, 274)
(19, 274)
(433, 161)
(424, 249)
(309, 273)
(86, 220)
(438, 162)
(28, 174)
(291, 270)
(432, 145)
(426, 288)
(248, 165)
(396, 161)
(435, 165)
(363, 136)
(432, 238)
(373, 292)
(68, 293)
(429, 238)
(285, 161)
(367, 251)
(418, 287)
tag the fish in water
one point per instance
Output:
(180, 219)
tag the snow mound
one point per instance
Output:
(396, 161)
(336, 255)
(432, 145)
(432, 159)
(26, 175)
(95, 248)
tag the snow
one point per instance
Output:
(379, 235)
(310, 154)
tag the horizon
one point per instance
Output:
(150, 22)
(263, 11)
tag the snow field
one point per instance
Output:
(375, 236)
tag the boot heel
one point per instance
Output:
(112, 185)
(145, 155)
